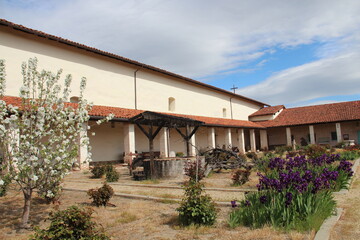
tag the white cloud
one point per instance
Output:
(194, 38)
(338, 75)
(206, 37)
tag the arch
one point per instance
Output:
(224, 112)
(74, 99)
(171, 104)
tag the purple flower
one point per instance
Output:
(288, 197)
(263, 199)
(233, 204)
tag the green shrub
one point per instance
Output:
(73, 223)
(196, 208)
(350, 155)
(112, 175)
(179, 154)
(98, 171)
(240, 176)
(314, 151)
(191, 171)
(252, 155)
(282, 149)
(4, 186)
(102, 195)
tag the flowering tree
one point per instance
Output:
(40, 137)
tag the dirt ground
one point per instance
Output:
(130, 219)
(348, 227)
(139, 219)
(142, 219)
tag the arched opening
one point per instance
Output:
(171, 104)
(74, 99)
(224, 112)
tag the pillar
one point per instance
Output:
(211, 138)
(312, 134)
(252, 140)
(288, 137)
(338, 132)
(129, 142)
(192, 143)
(241, 139)
(164, 142)
(263, 140)
(83, 160)
(228, 140)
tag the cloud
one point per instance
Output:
(193, 38)
(338, 75)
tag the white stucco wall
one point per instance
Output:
(111, 82)
(108, 142)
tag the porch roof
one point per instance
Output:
(325, 113)
(164, 120)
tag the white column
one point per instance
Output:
(228, 140)
(83, 150)
(312, 134)
(288, 137)
(338, 132)
(164, 142)
(211, 138)
(129, 142)
(241, 139)
(263, 140)
(252, 140)
(192, 143)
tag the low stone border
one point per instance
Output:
(328, 224)
(145, 197)
(173, 187)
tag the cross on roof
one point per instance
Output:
(234, 88)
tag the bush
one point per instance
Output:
(350, 155)
(4, 184)
(252, 155)
(190, 170)
(102, 195)
(72, 224)
(241, 176)
(98, 171)
(282, 149)
(196, 208)
(50, 191)
(314, 151)
(111, 174)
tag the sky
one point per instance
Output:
(295, 53)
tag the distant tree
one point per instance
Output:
(40, 138)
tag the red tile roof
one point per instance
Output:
(326, 113)
(125, 113)
(120, 58)
(267, 111)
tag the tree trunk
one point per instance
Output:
(27, 203)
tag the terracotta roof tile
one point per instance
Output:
(125, 113)
(335, 112)
(267, 111)
(120, 58)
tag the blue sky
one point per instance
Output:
(296, 53)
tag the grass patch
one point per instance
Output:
(150, 181)
(126, 217)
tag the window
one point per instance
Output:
(171, 104)
(333, 136)
(74, 99)
(224, 112)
